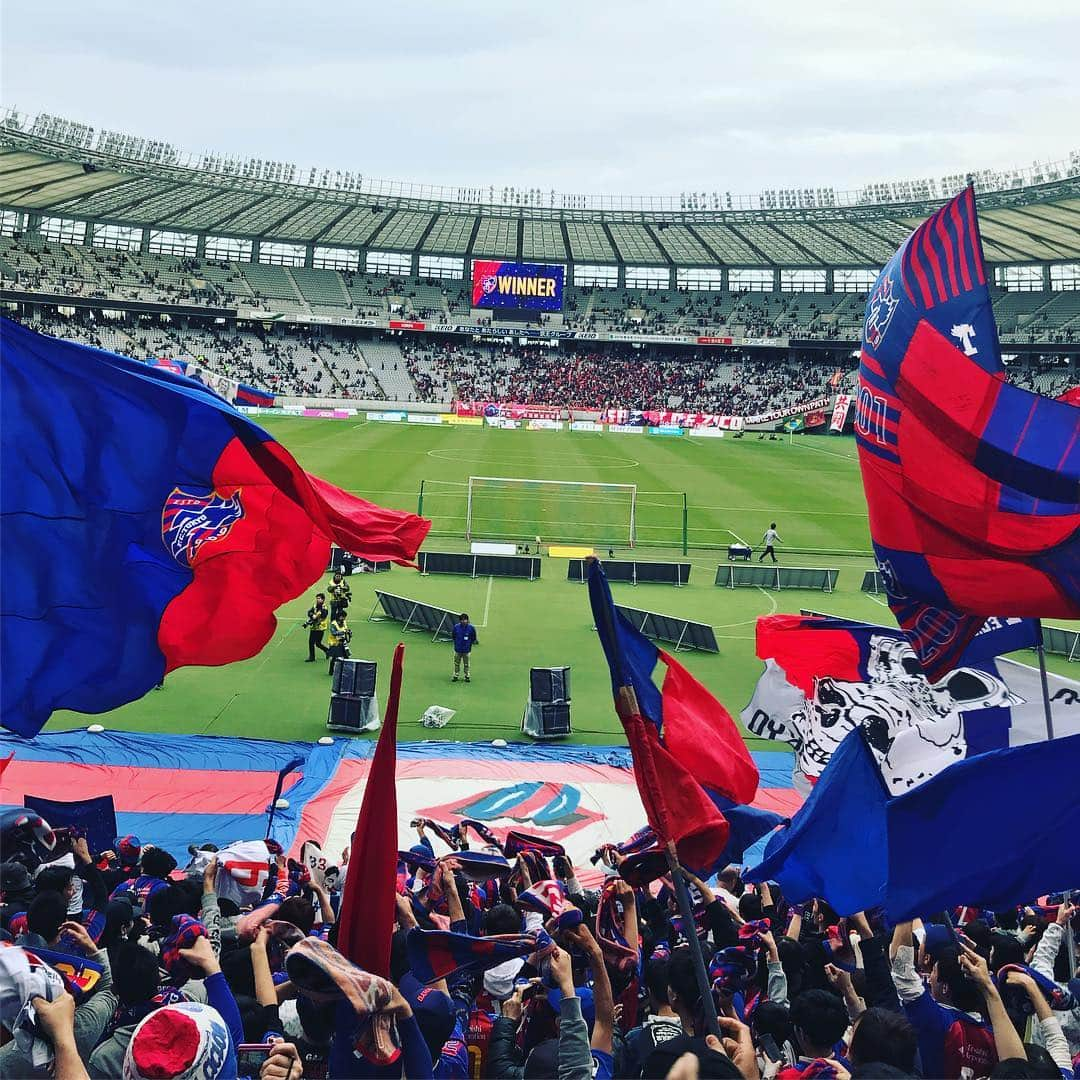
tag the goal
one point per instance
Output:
(514, 508)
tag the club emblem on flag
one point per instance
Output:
(879, 312)
(189, 520)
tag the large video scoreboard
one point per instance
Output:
(532, 286)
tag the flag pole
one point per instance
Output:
(682, 894)
(1042, 675)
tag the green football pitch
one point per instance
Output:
(734, 488)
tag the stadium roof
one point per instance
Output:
(58, 168)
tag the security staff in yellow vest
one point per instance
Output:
(339, 635)
(318, 618)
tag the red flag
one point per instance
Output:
(675, 804)
(368, 904)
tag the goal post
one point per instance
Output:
(519, 508)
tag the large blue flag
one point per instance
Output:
(994, 831)
(147, 525)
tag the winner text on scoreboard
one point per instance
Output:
(517, 285)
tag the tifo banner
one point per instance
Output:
(536, 286)
(815, 418)
(840, 412)
(786, 411)
(513, 410)
(175, 790)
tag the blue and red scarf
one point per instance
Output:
(438, 954)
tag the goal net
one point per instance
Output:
(512, 508)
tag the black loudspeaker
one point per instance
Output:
(346, 714)
(354, 677)
(546, 721)
(547, 685)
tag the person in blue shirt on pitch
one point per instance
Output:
(464, 640)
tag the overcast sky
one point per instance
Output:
(593, 96)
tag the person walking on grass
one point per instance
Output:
(464, 640)
(770, 540)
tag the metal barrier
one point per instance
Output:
(415, 615)
(636, 573)
(450, 562)
(739, 575)
(682, 633)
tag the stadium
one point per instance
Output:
(675, 384)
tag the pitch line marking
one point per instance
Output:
(831, 453)
(739, 538)
(487, 601)
(771, 599)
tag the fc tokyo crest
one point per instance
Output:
(489, 284)
(879, 312)
(189, 520)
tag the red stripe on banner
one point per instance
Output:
(920, 273)
(947, 244)
(136, 789)
(934, 262)
(973, 233)
(961, 246)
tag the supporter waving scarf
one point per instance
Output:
(437, 954)
(610, 931)
(461, 831)
(1057, 997)
(517, 841)
(549, 899)
(184, 933)
(449, 835)
(321, 973)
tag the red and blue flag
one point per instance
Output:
(689, 758)
(146, 526)
(972, 484)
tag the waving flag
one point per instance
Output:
(146, 525)
(685, 746)
(972, 485)
(856, 845)
(825, 676)
(366, 919)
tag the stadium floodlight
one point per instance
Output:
(516, 508)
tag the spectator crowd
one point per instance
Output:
(502, 965)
